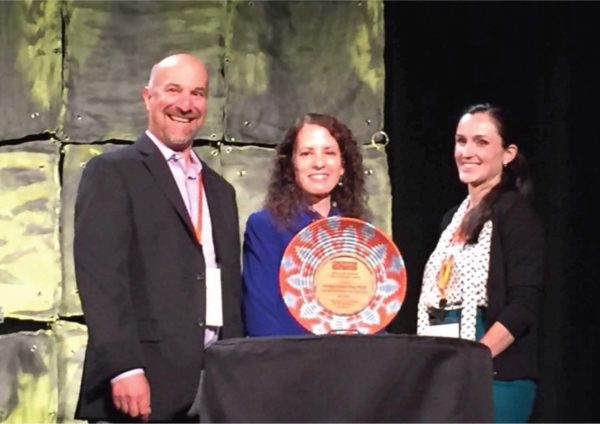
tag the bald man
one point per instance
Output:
(156, 246)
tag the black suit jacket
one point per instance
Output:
(141, 278)
(515, 281)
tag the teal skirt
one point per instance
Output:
(512, 399)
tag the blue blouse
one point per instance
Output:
(265, 313)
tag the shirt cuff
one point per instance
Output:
(127, 374)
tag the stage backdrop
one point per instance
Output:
(72, 73)
(541, 62)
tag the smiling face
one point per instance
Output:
(479, 151)
(175, 99)
(317, 162)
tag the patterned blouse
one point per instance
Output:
(467, 283)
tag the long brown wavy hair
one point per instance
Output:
(285, 198)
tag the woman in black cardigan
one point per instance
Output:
(483, 280)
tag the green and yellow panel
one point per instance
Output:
(285, 59)
(30, 271)
(30, 67)
(111, 49)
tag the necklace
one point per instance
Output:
(445, 272)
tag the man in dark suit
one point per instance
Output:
(155, 230)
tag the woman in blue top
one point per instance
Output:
(317, 173)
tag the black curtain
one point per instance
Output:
(540, 61)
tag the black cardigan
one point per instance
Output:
(514, 283)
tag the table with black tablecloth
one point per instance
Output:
(341, 378)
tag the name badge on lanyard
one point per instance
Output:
(443, 330)
(214, 302)
(443, 323)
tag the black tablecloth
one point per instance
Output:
(382, 378)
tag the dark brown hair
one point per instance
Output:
(285, 199)
(515, 175)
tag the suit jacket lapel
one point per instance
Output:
(213, 198)
(158, 167)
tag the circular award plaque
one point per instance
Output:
(342, 275)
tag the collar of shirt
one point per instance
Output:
(188, 189)
(307, 216)
(171, 155)
(333, 211)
